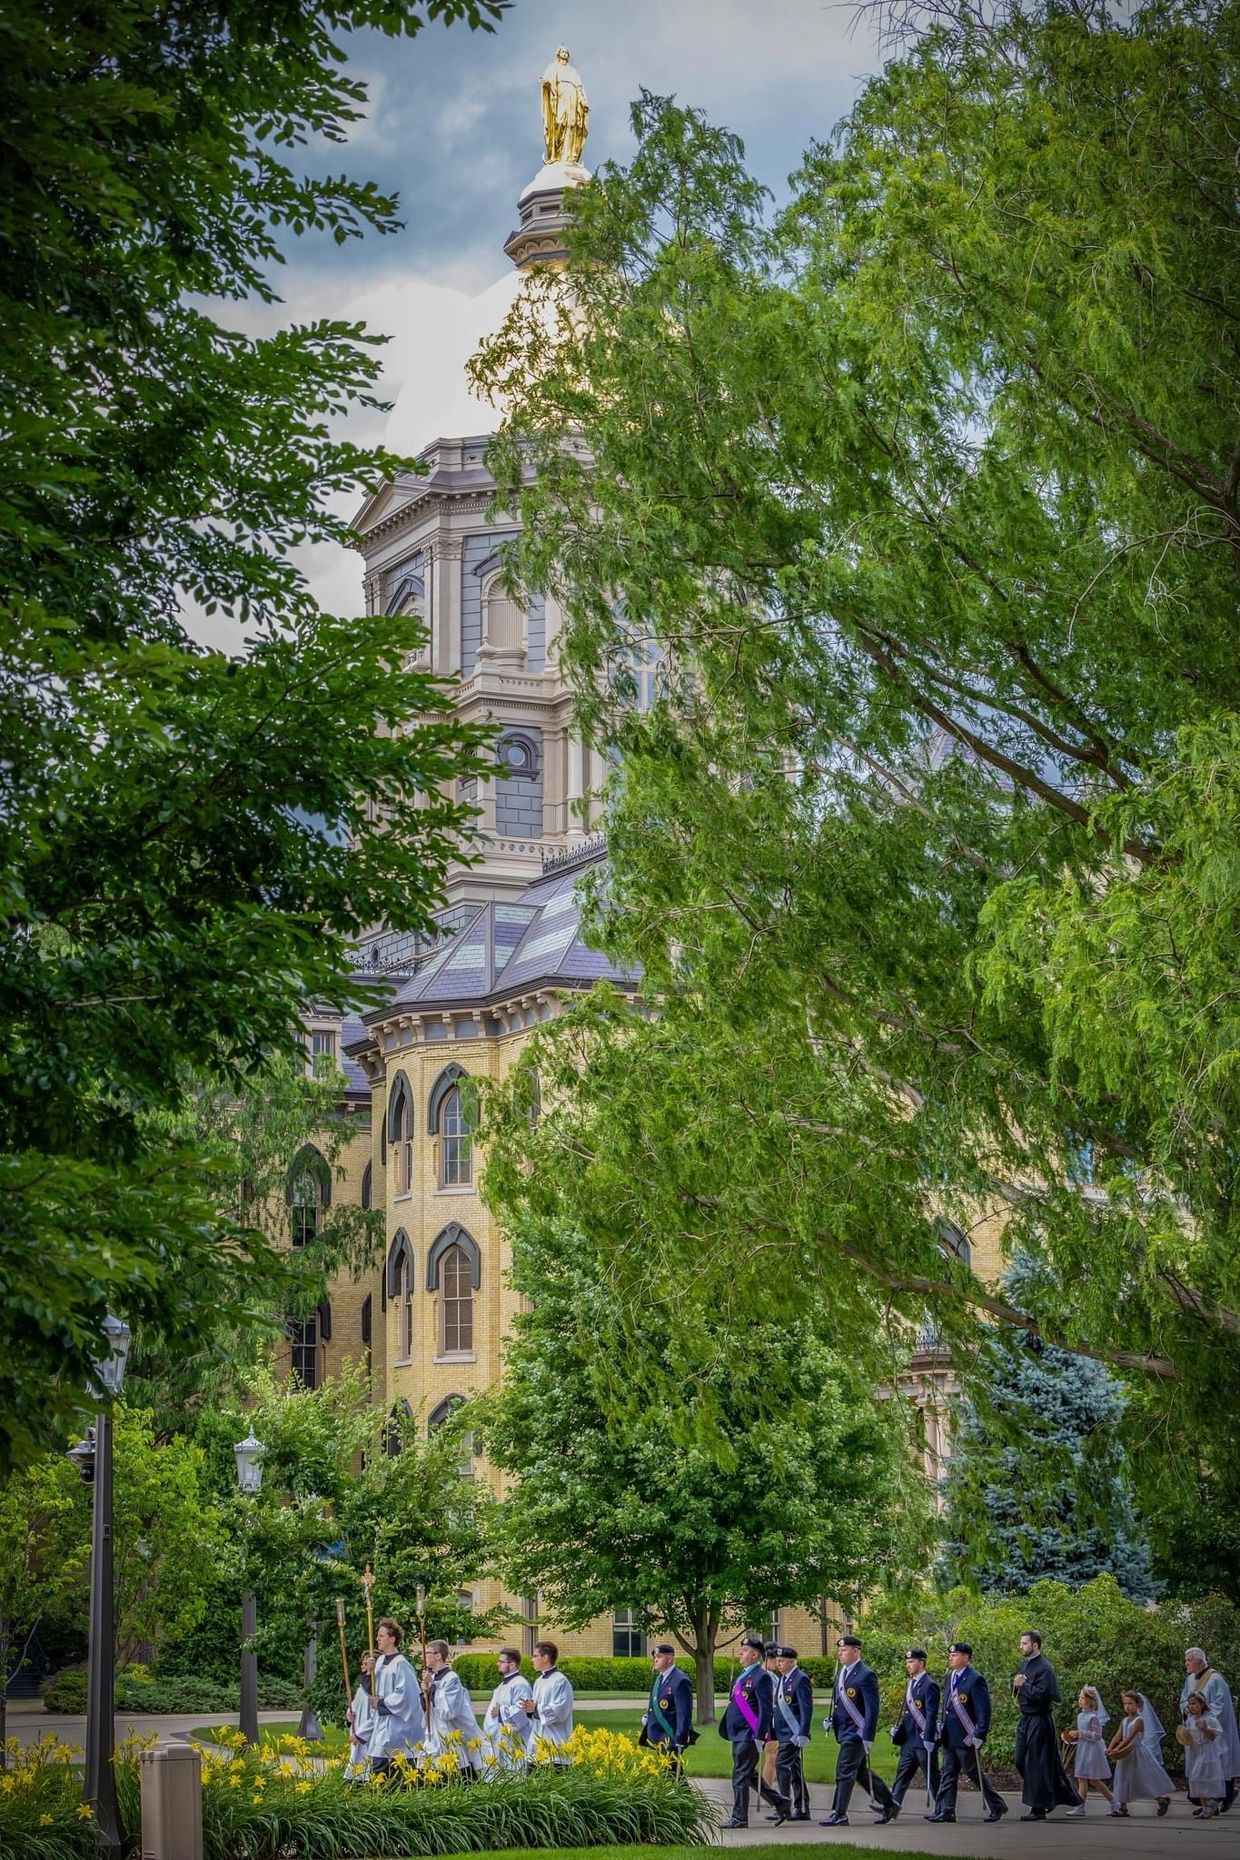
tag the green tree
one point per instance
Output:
(1038, 1486)
(611, 1509)
(258, 1129)
(43, 1559)
(924, 496)
(189, 840)
(346, 1487)
(167, 1543)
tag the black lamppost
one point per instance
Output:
(93, 1459)
(249, 1454)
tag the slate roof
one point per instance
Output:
(508, 948)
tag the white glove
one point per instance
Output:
(800, 1742)
(868, 1747)
(974, 1743)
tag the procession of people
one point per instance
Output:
(398, 1720)
(941, 1734)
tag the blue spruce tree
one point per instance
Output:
(1038, 1486)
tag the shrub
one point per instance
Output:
(136, 1690)
(1094, 1636)
(479, 1673)
(265, 1803)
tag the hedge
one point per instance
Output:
(137, 1692)
(1092, 1636)
(631, 1676)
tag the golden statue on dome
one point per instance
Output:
(565, 110)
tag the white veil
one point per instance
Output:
(1154, 1732)
(1100, 1711)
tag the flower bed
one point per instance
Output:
(281, 1798)
(42, 1815)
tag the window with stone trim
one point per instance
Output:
(400, 1132)
(456, 1161)
(456, 1302)
(308, 1194)
(307, 1336)
(627, 1638)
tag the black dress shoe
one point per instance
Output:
(939, 1817)
(834, 1821)
(802, 1815)
(1035, 1814)
(997, 1814)
(888, 1814)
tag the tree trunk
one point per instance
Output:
(704, 1622)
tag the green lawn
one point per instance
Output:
(794, 1850)
(710, 1756)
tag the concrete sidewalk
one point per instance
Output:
(1142, 1834)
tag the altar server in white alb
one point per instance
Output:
(1201, 1677)
(451, 1725)
(506, 1728)
(361, 1722)
(550, 1708)
(400, 1725)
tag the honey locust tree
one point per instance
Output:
(925, 495)
(188, 839)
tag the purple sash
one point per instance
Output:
(745, 1709)
(858, 1718)
(969, 1727)
(919, 1716)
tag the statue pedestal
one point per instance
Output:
(539, 238)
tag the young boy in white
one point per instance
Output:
(550, 1707)
(452, 1728)
(399, 1722)
(361, 1721)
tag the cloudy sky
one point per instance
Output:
(454, 129)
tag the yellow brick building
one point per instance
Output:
(507, 953)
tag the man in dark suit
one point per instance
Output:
(747, 1725)
(854, 1719)
(916, 1730)
(794, 1716)
(962, 1732)
(668, 1719)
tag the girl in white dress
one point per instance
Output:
(1090, 1766)
(1203, 1755)
(1137, 1751)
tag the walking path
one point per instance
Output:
(1142, 1835)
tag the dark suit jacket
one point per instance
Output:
(862, 1688)
(676, 1703)
(797, 1691)
(755, 1685)
(975, 1698)
(926, 1693)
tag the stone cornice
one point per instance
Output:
(464, 503)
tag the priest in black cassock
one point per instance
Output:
(1036, 1689)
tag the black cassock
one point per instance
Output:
(1046, 1782)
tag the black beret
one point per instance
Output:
(786, 1653)
(849, 1640)
(664, 1646)
(915, 1653)
(961, 1646)
(755, 1641)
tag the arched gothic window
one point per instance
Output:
(399, 1279)
(308, 1193)
(368, 1176)
(456, 1303)
(400, 1131)
(952, 1242)
(449, 1122)
(439, 1417)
